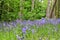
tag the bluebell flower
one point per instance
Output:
(13, 23)
(24, 29)
(23, 22)
(43, 21)
(8, 25)
(54, 22)
(58, 20)
(30, 23)
(37, 22)
(18, 21)
(27, 27)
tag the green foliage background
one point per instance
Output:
(9, 9)
(38, 12)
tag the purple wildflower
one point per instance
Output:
(58, 20)
(24, 22)
(13, 23)
(37, 22)
(18, 21)
(27, 27)
(43, 21)
(30, 22)
(52, 21)
(24, 30)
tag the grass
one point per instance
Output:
(44, 32)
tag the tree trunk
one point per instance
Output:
(58, 8)
(48, 9)
(21, 9)
(51, 9)
(52, 14)
(32, 7)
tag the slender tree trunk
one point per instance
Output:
(48, 9)
(21, 5)
(32, 7)
(21, 9)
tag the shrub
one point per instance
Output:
(9, 10)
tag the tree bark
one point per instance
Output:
(48, 9)
(52, 10)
